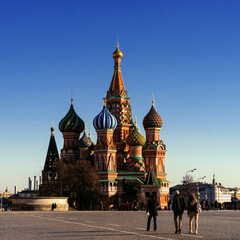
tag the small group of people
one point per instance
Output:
(133, 205)
(178, 206)
(205, 204)
(193, 208)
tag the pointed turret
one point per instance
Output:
(117, 88)
(49, 171)
(118, 104)
(151, 178)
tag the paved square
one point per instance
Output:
(113, 225)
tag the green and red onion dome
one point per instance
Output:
(85, 141)
(71, 122)
(152, 119)
(135, 138)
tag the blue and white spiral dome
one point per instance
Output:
(105, 120)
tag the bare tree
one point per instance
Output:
(77, 181)
(187, 180)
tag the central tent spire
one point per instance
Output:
(117, 88)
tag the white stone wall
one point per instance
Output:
(39, 203)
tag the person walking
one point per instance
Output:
(101, 205)
(193, 211)
(152, 211)
(207, 204)
(178, 207)
(169, 205)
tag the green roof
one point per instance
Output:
(134, 177)
(165, 181)
(151, 179)
(128, 173)
(107, 180)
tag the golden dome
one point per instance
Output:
(117, 53)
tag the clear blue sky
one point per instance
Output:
(186, 52)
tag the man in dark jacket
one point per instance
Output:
(152, 210)
(178, 207)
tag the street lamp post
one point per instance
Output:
(188, 171)
(201, 178)
(192, 170)
(198, 186)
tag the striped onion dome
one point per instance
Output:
(152, 119)
(85, 141)
(71, 122)
(135, 138)
(105, 120)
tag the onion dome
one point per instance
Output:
(71, 122)
(105, 120)
(52, 130)
(135, 138)
(84, 141)
(117, 53)
(152, 119)
(89, 137)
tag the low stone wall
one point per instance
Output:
(39, 203)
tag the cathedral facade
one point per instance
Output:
(121, 155)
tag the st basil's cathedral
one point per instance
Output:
(121, 153)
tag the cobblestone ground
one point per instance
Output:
(113, 225)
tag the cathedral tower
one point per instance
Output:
(49, 171)
(118, 103)
(71, 126)
(105, 152)
(154, 150)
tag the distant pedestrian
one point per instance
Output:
(178, 207)
(235, 205)
(203, 204)
(152, 211)
(194, 209)
(54, 206)
(127, 205)
(131, 205)
(170, 204)
(207, 204)
(220, 206)
(101, 205)
(10, 205)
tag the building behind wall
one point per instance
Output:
(213, 191)
(121, 155)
